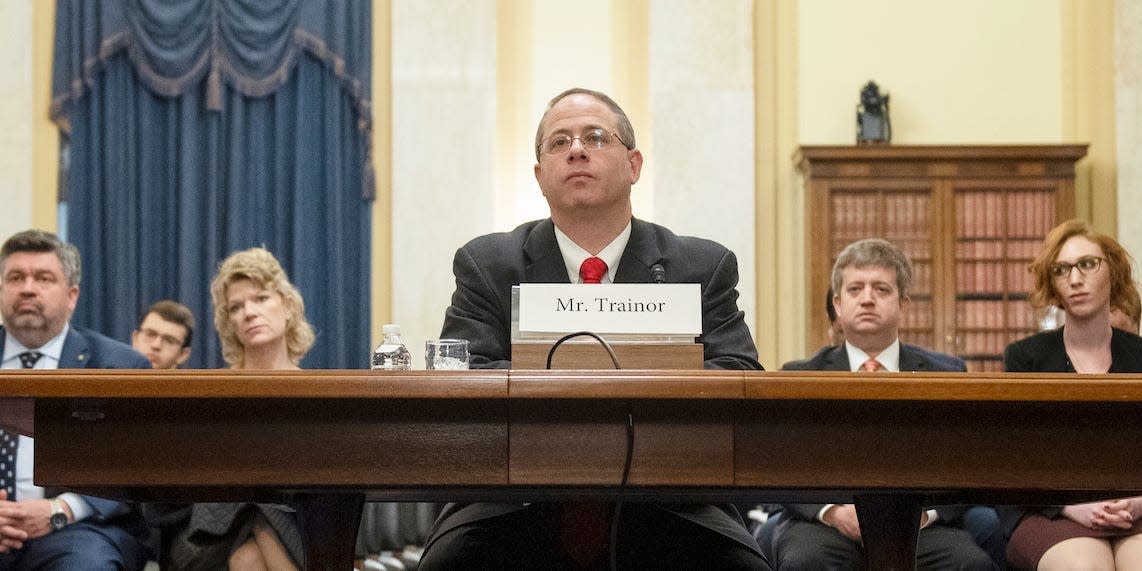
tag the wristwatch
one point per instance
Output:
(59, 517)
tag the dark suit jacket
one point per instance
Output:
(83, 348)
(487, 267)
(912, 358)
(1044, 352)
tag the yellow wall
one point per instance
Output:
(972, 71)
(381, 271)
(45, 160)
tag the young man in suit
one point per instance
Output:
(586, 162)
(871, 281)
(164, 334)
(39, 285)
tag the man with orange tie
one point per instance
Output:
(586, 162)
(871, 281)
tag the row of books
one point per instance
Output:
(985, 365)
(917, 249)
(995, 314)
(1011, 249)
(926, 339)
(993, 277)
(993, 213)
(918, 315)
(867, 214)
(988, 342)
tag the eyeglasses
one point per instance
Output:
(592, 140)
(1085, 264)
(149, 335)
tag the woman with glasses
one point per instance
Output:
(1084, 273)
(260, 318)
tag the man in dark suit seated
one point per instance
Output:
(40, 529)
(871, 281)
(586, 162)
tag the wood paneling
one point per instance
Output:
(970, 218)
(325, 440)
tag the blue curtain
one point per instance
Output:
(199, 127)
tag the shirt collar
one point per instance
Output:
(889, 358)
(573, 254)
(51, 351)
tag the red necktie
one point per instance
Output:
(584, 526)
(592, 270)
(871, 366)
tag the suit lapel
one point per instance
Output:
(837, 359)
(911, 360)
(641, 253)
(75, 353)
(544, 260)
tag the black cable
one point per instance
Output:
(603, 342)
(622, 490)
(614, 554)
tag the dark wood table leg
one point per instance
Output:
(329, 525)
(889, 527)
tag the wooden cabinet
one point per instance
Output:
(971, 218)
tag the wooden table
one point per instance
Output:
(325, 441)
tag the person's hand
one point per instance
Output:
(843, 517)
(37, 517)
(1119, 514)
(12, 535)
(1093, 515)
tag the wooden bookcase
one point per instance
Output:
(971, 218)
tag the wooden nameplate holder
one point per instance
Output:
(590, 354)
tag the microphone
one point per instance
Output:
(658, 273)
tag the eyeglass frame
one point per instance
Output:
(149, 335)
(1061, 270)
(541, 147)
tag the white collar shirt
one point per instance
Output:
(573, 254)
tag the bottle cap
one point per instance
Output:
(391, 329)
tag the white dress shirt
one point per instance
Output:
(25, 453)
(573, 254)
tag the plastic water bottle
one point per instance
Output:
(391, 354)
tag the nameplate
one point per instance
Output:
(652, 309)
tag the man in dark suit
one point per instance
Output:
(871, 281)
(586, 162)
(39, 285)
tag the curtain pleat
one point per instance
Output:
(162, 187)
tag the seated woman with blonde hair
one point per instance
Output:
(260, 319)
(1086, 274)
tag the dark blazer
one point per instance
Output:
(86, 349)
(487, 267)
(1044, 352)
(912, 358)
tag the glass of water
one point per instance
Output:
(446, 354)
